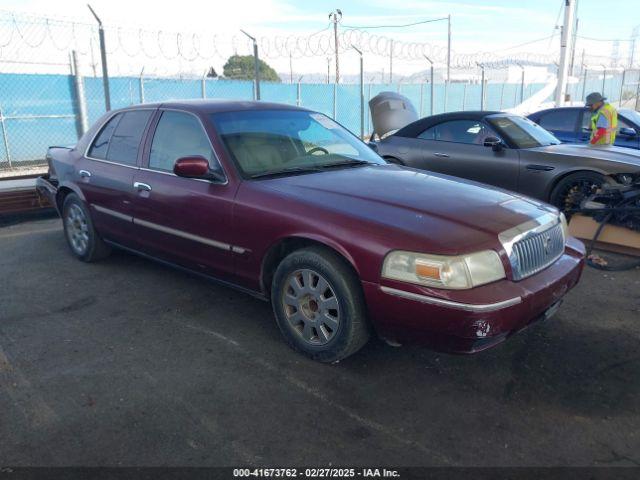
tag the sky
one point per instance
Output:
(477, 25)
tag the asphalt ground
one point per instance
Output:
(127, 362)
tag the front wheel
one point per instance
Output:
(572, 189)
(83, 240)
(319, 306)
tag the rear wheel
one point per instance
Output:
(83, 240)
(571, 190)
(319, 306)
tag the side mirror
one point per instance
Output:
(494, 142)
(195, 167)
(627, 132)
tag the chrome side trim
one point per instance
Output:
(113, 213)
(487, 307)
(180, 233)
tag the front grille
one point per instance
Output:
(536, 252)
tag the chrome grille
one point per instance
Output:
(536, 251)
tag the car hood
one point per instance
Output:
(607, 152)
(454, 213)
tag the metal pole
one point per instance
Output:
(481, 86)
(501, 96)
(637, 93)
(604, 78)
(335, 100)
(256, 67)
(82, 117)
(390, 61)
(361, 92)
(204, 84)
(299, 93)
(103, 57)
(328, 69)
(449, 48)
(624, 74)
(565, 41)
(522, 86)
(584, 80)
(290, 69)
(5, 137)
(141, 85)
(431, 74)
(421, 97)
(335, 16)
(464, 96)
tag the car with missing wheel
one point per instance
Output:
(289, 206)
(505, 150)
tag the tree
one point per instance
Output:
(241, 67)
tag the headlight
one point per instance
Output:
(565, 226)
(459, 272)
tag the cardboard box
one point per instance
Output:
(612, 238)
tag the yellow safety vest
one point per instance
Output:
(611, 115)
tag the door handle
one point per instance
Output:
(542, 168)
(84, 173)
(142, 186)
(442, 155)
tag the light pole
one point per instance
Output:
(431, 75)
(565, 40)
(256, 62)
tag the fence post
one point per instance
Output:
(335, 100)
(141, 80)
(368, 112)
(584, 81)
(501, 96)
(481, 86)
(204, 84)
(299, 93)
(421, 97)
(624, 73)
(5, 137)
(464, 96)
(82, 123)
(103, 57)
(638, 92)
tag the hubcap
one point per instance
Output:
(311, 306)
(77, 229)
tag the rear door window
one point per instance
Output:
(458, 131)
(101, 143)
(559, 120)
(126, 138)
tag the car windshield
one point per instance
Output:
(280, 142)
(522, 132)
(632, 115)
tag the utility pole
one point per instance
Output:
(256, 63)
(565, 40)
(103, 57)
(335, 17)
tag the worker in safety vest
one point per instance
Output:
(604, 120)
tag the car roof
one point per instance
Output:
(416, 128)
(217, 105)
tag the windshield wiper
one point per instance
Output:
(285, 172)
(346, 163)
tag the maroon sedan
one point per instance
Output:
(289, 206)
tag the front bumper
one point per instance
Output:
(47, 189)
(468, 321)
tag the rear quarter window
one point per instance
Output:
(119, 140)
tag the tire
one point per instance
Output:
(572, 189)
(82, 238)
(324, 316)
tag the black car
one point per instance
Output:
(573, 125)
(508, 151)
